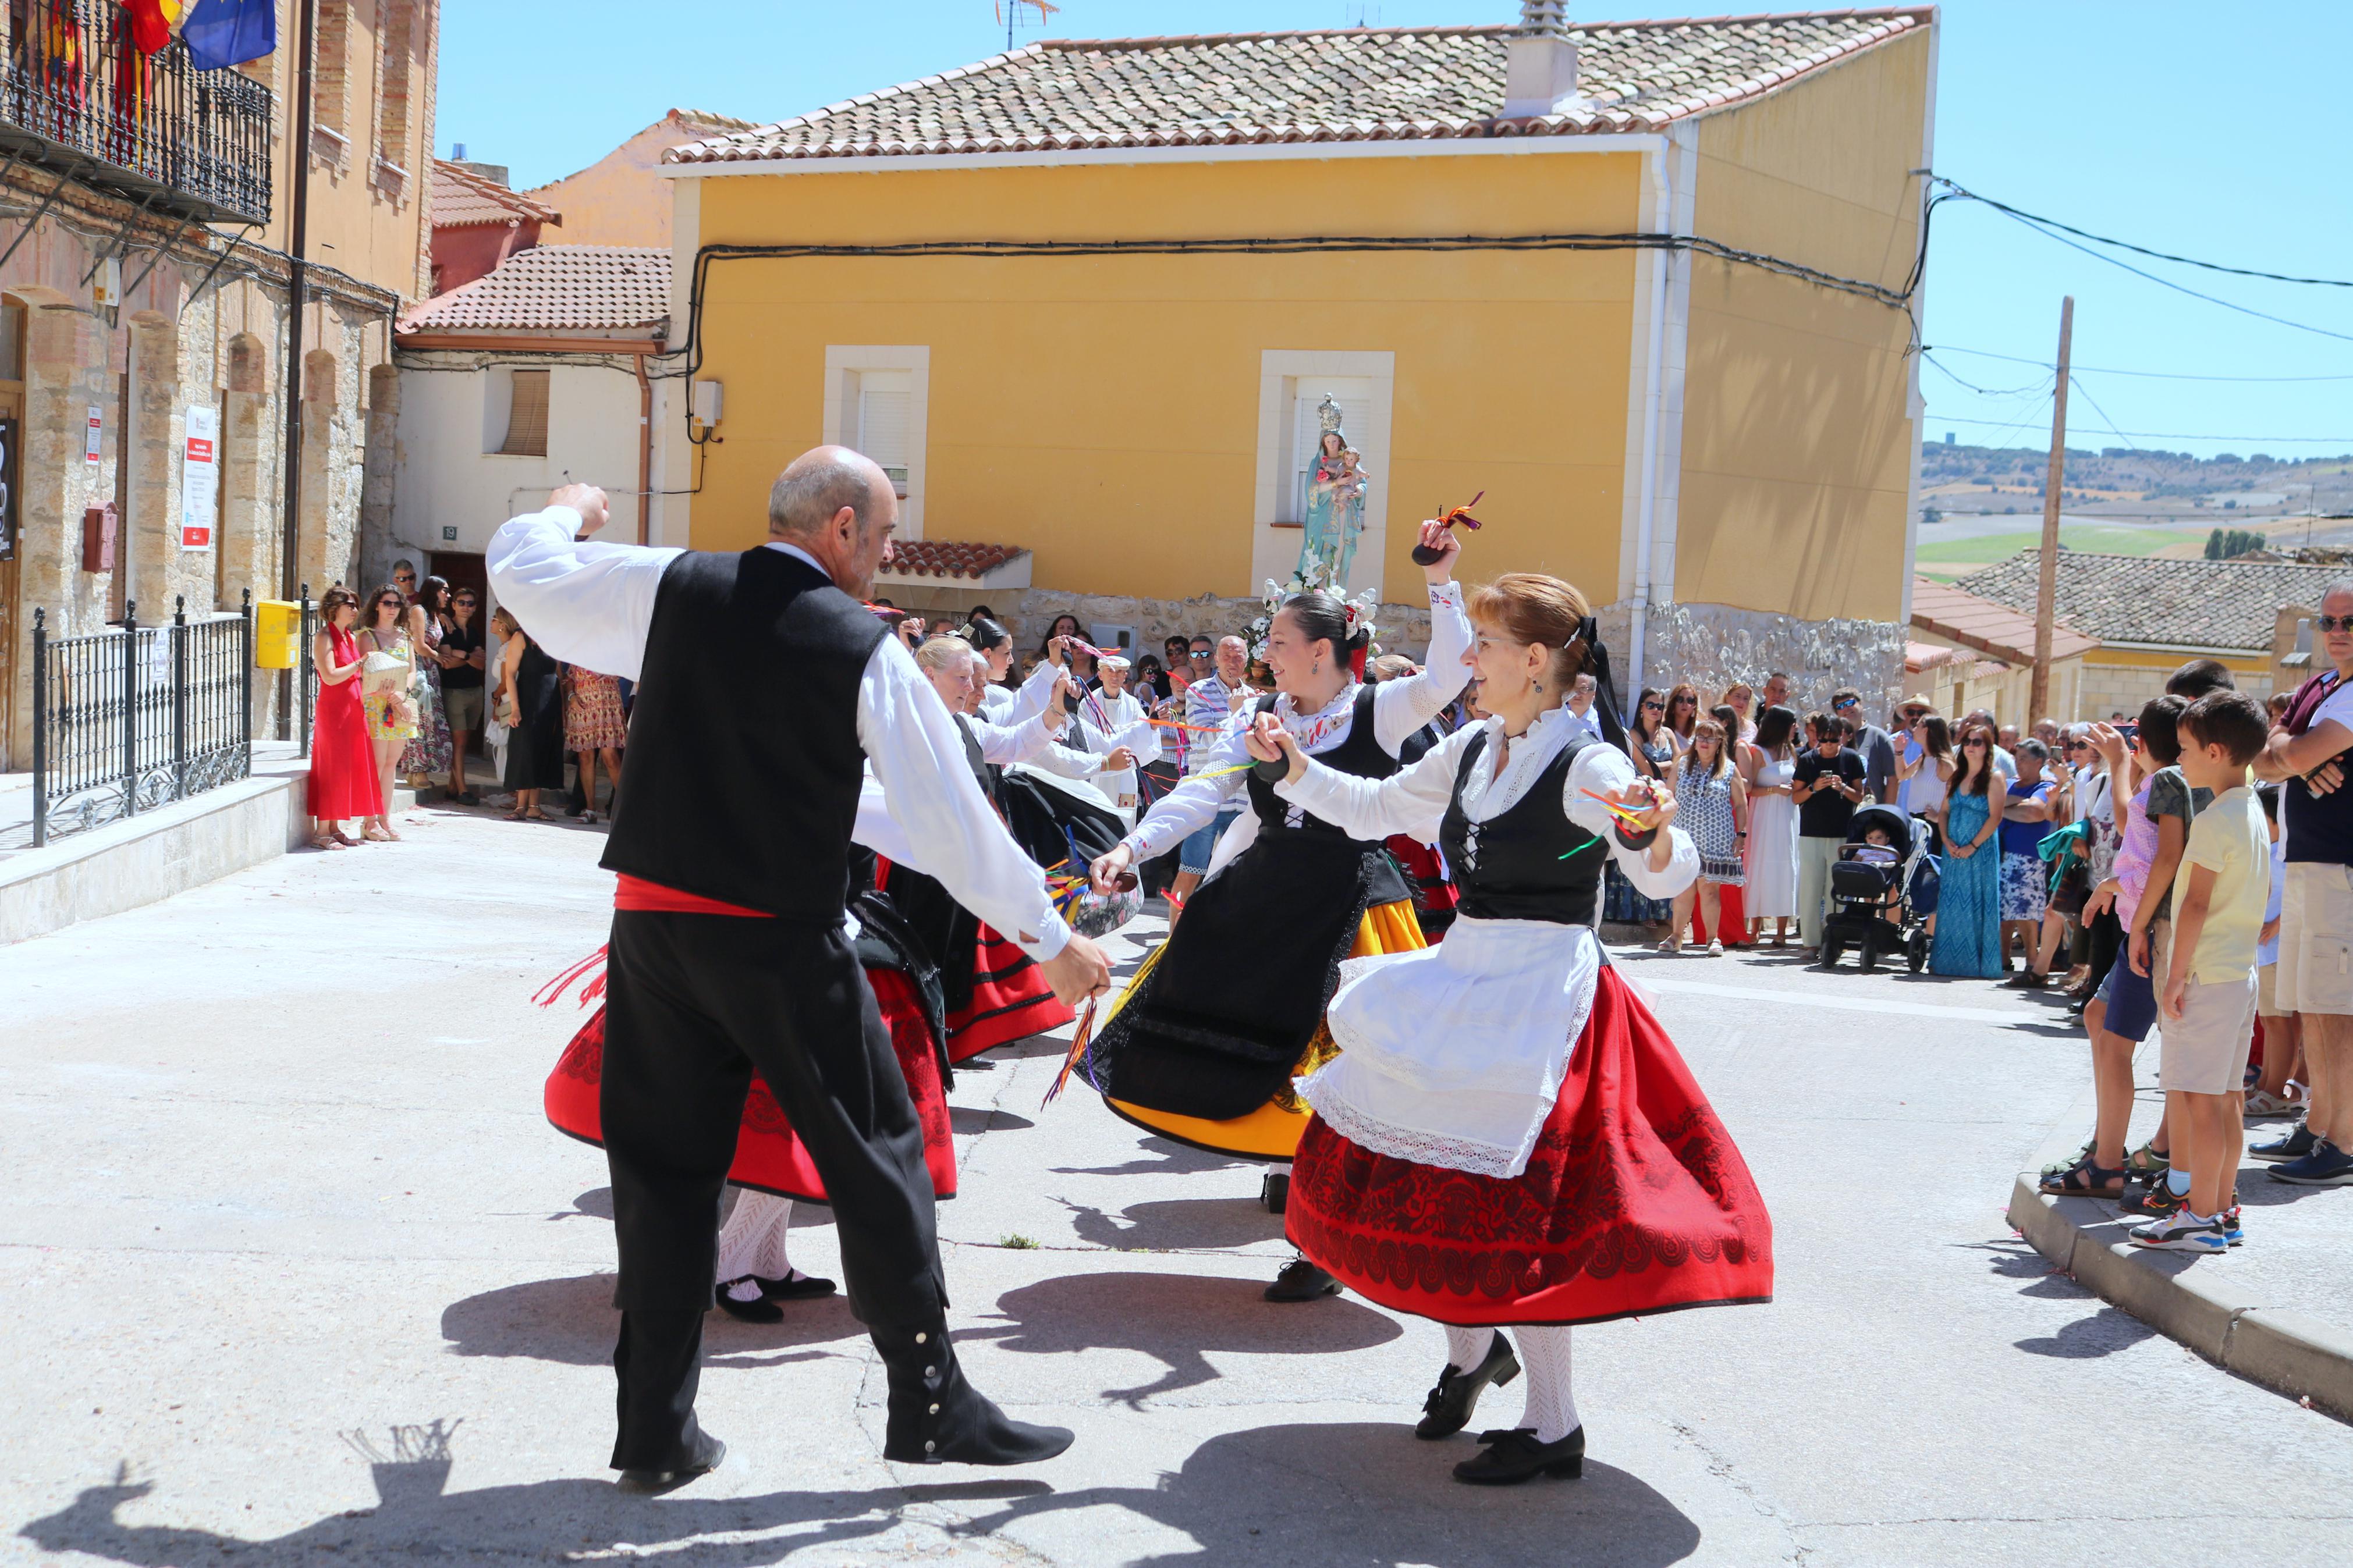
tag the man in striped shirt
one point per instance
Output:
(1210, 702)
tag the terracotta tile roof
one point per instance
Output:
(1354, 85)
(462, 199)
(946, 558)
(1989, 627)
(705, 117)
(2228, 605)
(557, 288)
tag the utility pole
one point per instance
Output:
(297, 175)
(2047, 588)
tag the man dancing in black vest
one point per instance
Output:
(764, 689)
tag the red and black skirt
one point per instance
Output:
(994, 992)
(770, 1155)
(1634, 1201)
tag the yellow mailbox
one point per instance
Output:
(277, 635)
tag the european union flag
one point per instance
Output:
(230, 32)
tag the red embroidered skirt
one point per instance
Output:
(1634, 1201)
(1010, 1000)
(768, 1155)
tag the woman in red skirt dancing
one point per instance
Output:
(1508, 1138)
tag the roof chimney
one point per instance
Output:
(1540, 69)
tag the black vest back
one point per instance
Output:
(745, 761)
(1531, 862)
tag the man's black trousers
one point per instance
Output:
(696, 1004)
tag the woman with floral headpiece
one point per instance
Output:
(1202, 1045)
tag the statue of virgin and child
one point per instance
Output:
(1335, 505)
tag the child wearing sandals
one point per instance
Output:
(2208, 990)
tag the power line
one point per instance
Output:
(2103, 413)
(2343, 441)
(2106, 370)
(2043, 385)
(1965, 194)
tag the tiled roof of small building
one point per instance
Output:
(1985, 626)
(462, 199)
(556, 289)
(946, 558)
(1361, 84)
(2168, 604)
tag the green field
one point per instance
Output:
(1970, 554)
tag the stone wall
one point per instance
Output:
(1712, 646)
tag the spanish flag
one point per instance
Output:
(152, 22)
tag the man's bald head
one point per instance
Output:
(839, 506)
(817, 485)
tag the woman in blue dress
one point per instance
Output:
(1968, 901)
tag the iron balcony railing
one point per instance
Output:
(134, 716)
(75, 94)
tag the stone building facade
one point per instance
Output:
(131, 297)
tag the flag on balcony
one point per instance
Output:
(230, 32)
(152, 22)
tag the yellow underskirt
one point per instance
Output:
(1271, 1131)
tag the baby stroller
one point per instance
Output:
(1862, 886)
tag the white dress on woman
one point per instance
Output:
(1772, 888)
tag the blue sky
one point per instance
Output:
(2212, 132)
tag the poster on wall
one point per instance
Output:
(93, 433)
(200, 480)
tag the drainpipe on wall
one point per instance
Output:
(1653, 419)
(645, 447)
(289, 564)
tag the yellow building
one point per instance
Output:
(2150, 616)
(1642, 285)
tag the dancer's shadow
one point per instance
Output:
(971, 1119)
(416, 1520)
(1166, 1159)
(1358, 1494)
(1175, 1320)
(1176, 1224)
(574, 1322)
(2103, 1333)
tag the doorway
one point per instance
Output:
(13, 630)
(461, 570)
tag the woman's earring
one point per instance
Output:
(1539, 685)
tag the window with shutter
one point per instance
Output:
(527, 416)
(885, 420)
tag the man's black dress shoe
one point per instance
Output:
(796, 1287)
(937, 1418)
(708, 1451)
(1512, 1456)
(758, 1309)
(1448, 1409)
(1302, 1281)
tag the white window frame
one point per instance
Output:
(1274, 549)
(843, 362)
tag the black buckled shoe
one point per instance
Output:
(1448, 1409)
(1512, 1457)
(1302, 1281)
(647, 1481)
(938, 1418)
(795, 1287)
(757, 1310)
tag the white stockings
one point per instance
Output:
(1544, 1357)
(752, 1241)
(1466, 1348)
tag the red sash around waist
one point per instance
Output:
(652, 898)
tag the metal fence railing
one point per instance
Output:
(134, 716)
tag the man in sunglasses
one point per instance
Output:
(1871, 742)
(2316, 903)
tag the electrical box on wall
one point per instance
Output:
(106, 284)
(99, 526)
(708, 402)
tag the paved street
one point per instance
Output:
(296, 1269)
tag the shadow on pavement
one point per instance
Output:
(1168, 1159)
(1330, 1495)
(573, 1322)
(1177, 1320)
(1371, 1495)
(1176, 1224)
(2104, 1332)
(970, 1119)
(415, 1517)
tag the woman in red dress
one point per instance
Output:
(1507, 1137)
(343, 782)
